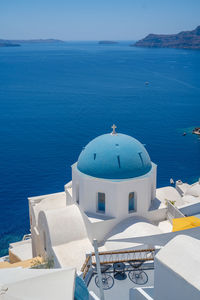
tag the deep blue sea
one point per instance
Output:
(55, 98)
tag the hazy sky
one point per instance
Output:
(95, 19)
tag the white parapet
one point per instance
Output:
(144, 293)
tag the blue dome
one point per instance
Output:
(116, 156)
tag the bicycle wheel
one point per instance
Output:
(107, 281)
(138, 277)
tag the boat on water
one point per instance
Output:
(196, 131)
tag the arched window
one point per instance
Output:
(45, 241)
(131, 202)
(101, 203)
(77, 194)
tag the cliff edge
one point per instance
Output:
(182, 40)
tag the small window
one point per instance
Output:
(45, 241)
(131, 203)
(77, 194)
(101, 202)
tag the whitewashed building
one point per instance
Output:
(112, 197)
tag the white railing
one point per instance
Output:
(26, 237)
(173, 212)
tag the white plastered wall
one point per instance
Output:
(169, 285)
(62, 225)
(117, 195)
(177, 267)
(66, 239)
(86, 189)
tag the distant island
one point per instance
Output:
(107, 42)
(182, 40)
(16, 43)
(5, 44)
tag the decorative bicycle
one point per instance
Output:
(138, 277)
(107, 281)
(136, 264)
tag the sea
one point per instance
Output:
(55, 98)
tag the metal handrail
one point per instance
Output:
(110, 257)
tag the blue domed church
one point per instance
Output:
(113, 179)
(113, 186)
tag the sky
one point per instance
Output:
(95, 19)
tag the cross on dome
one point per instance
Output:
(114, 127)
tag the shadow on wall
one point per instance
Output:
(123, 225)
(162, 239)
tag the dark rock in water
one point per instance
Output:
(182, 40)
(8, 45)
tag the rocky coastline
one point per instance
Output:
(182, 40)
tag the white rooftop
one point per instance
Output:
(25, 284)
(22, 249)
(73, 254)
(48, 202)
(121, 237)
(167, 193)
(181, 255)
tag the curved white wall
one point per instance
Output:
(63, 225)
(85, 189)
(60, 226)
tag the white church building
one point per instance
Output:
(111, 214)
(112, 198)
